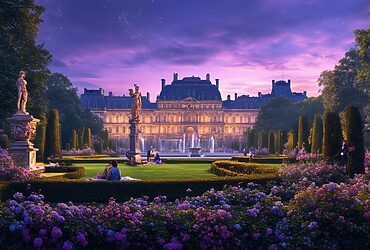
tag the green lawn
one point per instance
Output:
(153, 171)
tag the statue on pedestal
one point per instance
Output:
(23, 129)
(133, 155)
(22, 92)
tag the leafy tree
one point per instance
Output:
(316, 138)
(353, 132)
(332, 135)
(310, 107)
(52, 138)
(19, 22)
(279, 113)
(62, 95)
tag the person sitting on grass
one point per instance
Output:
(157, 158)
(105, 172)
(114, 173)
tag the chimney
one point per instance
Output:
(228, 97)
(289, 82)
(259, 94)
(218, 83)
(208, 77)
(110, 93)
(175, 76)
(273, 82)
(305, 93)
(236, 95)
(148, 96)
(163, 82)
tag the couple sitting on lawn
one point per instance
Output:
(111, 172)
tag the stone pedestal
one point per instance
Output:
(23, 129)
(134, 157)
(195, 152)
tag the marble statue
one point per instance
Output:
(136, 103)
(22, 92)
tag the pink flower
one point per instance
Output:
(367, 215)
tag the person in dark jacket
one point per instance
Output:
(114, 172)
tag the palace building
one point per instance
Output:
(189, 112)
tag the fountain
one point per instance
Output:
(212, 146)
(195, 146)
(183, 143)
(142, 144)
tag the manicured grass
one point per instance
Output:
(154, 171)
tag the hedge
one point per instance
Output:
(265, 159)
(101, 191)
(235, 168)
(71, 172)
(52, 136)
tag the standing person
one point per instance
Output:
(149, 154)
(344, 154)
(114, 172)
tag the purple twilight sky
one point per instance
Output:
(113, 44)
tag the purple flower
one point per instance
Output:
(42, 232)
(312, 225)
(173, 245)
(256, 235)
(119, 236)
(56, 233)
(37, 242)
(273, 247)
(67, 245)
(269, 231)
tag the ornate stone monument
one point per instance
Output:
(23, 129)
(133, 155)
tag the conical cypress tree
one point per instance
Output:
(303, 133)
(316, 138)
(251, 138)
(81, 138)
(282, 139)
(40, 140)
(74, 139)
(271, 142)
(262, 139)
(332, 135)
(106, 139)
(52, 136)
(353, 126)
(87, 138)
(292, 140)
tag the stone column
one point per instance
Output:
(23, 129)
(134, 157)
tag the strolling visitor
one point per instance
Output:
(149, 154)
(114, 173)
(344, 154)
(157, 158)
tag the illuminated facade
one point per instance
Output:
(187, 113)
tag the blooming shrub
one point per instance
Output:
(11, 172)
(334, 216)
(262, 151)
(85, 151)
(303, 156)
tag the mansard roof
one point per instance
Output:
(201, 90)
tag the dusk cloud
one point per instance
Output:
(113, 44)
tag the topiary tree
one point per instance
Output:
(74, 140)
(332, 135)
(303, 133)
(87, 138)
(98, 144)
(292, 140)
(40, 140)
(316, 137)
(81, 139)
(52, 136)
(106, 139)
(271, 142)
(353, 126)
(251, 138)
(262, 140)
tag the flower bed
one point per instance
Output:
(263, 159)
(11, 172)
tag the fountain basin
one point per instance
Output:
(195, 151)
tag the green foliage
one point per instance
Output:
(98, 144)
(39, 140)
(316, 138)
(81, 138)
(310, 107)
(87, 138)
(281, 139)
(235, 168)
(105, 139)
(353, 132)
(279, 113)
(19, 22)
(251, 138)
(101, 191)
(271, 142)
(303, 133)
(332, 135)
(74, 140)
(262, 159)
(262, 140)
(62, 95)
(52, 136)
(71, 172)
(341, 87)
(292, 140)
